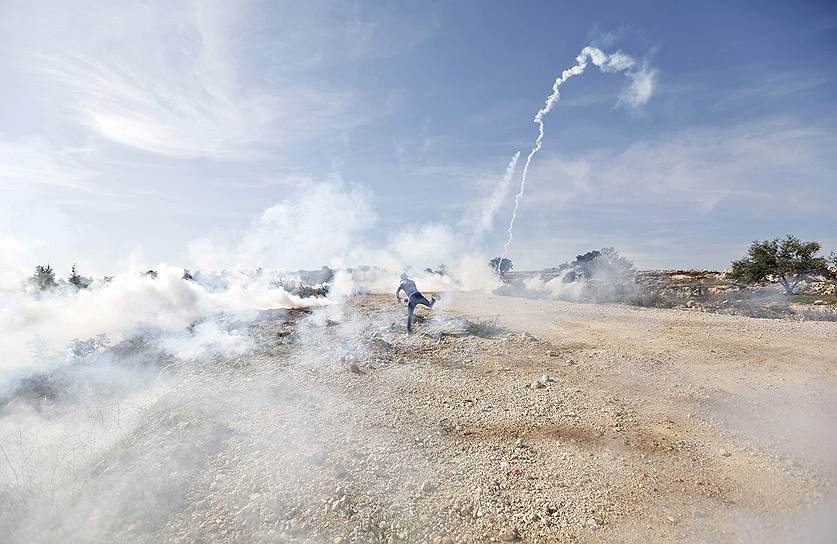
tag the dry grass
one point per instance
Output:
(484, 328)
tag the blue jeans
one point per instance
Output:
(415, 300)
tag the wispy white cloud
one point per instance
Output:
(182, 91)
(768, 163)
(34, 161)
(181, 116)
(642, 87)
(199, 79)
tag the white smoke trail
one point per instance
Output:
(617, 62)
(496, 198)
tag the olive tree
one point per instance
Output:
(787, 262)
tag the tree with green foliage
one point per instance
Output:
(44, 278)
(787, 261)
(500, 266)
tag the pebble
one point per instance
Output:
(508, 534)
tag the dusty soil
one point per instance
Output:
(574, 423)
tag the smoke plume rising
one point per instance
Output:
(486, 220)
(639, 93)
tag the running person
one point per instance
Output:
(414, 298)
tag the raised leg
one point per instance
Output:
(421, 299)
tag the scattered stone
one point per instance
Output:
(593, 523)
(724, 453)
(354, 369)
(427, 487)
(381, 344)
(508, 534)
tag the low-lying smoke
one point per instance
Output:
(597, 276)
(36, 328)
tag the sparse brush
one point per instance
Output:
(484, 328)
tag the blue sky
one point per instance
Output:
(135, 134)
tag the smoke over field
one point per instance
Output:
(254, 288)
(596, 276)
(117, 393)
(262, 405)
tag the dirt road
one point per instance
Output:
(574, 423)
(738, 414)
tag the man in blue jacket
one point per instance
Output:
(414, 298)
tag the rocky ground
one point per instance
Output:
(502, 419)
(814, 298)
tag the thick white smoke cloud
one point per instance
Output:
(427, 245)
(555, 288)
(318, 225)
(31, 326)
(324, 223)
(638, 93)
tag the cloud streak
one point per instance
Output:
(183, 86)
(181, 115)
